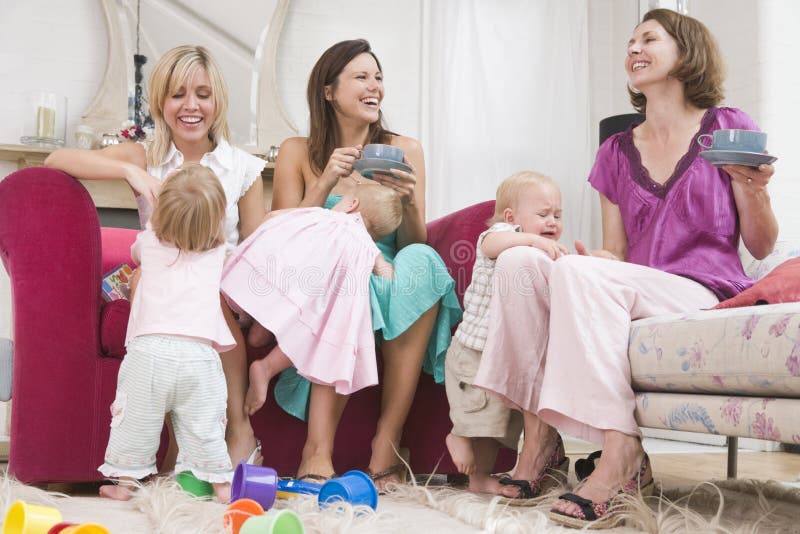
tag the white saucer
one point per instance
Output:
(367, 166)
(731, 157)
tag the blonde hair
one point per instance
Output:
(512, 187)
(190, 209)
(173, 70)
(381, 209)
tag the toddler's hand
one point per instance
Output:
(554, 249)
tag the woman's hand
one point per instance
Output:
(143, 183)
(752, 180)
(340, 164)
(405, 183)
(581, 249)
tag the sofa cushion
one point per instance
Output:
(782, 251)
(750, 417)
(114, 327)
(782, 284)
(739, 351)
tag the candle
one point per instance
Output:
(45, 122)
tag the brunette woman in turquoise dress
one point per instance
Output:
(412, 314)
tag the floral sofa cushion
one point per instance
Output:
(756, 417)
(739, 351)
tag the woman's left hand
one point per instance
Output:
(752, 180)
(404, 183)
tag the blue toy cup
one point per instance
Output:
(355, 487)
(254, 482)
(289, 488)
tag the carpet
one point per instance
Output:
(724, 507)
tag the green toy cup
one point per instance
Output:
(24, 518)
(274, 522)
(193, 485)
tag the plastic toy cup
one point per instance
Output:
(291, 488)
(255, 482)
(84, 528)
(194, 486)
(24, 518)
(59, 527)
(354, 487)
(238, 512)
(274, 522)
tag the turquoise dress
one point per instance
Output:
(420, 281)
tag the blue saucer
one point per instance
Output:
(367, 166)
(731, 157)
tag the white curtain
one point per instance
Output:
(507, 89)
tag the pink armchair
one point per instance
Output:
(69, 343)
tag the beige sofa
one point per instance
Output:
(733, 372)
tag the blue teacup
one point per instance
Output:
(735, 140)
(383, 152)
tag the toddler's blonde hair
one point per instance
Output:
(190, 209)
(381, 209)
(512, 187)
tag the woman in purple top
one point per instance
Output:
(558, 339)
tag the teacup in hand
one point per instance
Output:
(735, 141)
(389, 152)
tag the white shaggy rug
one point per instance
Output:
(726, 507)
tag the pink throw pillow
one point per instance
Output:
(782, 284)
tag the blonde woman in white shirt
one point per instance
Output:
(527, 214)
(189, 103)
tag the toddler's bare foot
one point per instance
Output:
(260, 375)
(222, 491)
(482, 483)
(119, 492)
(258, 336)
(462, 454)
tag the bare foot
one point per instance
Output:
(222, 491)
(258, 336)
(621, 459)
(260, 375)
(480, 483)
(119, 492)
(461, 452)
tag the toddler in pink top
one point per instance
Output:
(303, 275)
(175, 329)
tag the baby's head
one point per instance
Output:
(190, 209)
(379, 206)
(531, 200)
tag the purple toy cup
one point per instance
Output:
(254, 482)
(355, 487)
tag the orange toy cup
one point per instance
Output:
(238, 512)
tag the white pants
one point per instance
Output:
(558, 335)
(183, 377)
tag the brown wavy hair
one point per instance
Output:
(699, 66)
(323, 137)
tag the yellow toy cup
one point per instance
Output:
(24, 518)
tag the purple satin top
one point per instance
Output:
(689, 225)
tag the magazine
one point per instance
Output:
(116, 283)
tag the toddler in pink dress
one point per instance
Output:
(303, 275)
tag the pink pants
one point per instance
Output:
(558, 335)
